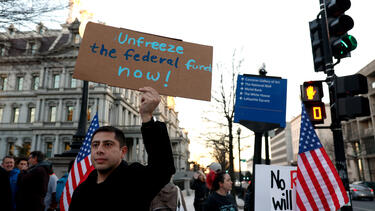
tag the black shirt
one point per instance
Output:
(217, 202)
(130, 187)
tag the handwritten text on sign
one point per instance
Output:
(130, 59)
(274, 187)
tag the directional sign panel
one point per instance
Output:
(260, 99)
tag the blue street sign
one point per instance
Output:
(260, 99)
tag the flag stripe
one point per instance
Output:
(81, 168)
(337, 178)
(328, 185)
(80, 173)
(305, 187)
(299, 203)
(314, 181)
(303, 198)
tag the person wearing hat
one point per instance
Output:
(214, 168)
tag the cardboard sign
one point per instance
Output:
(275, 187)
(129, 59)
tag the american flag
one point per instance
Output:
(319, 186)
(81, 168)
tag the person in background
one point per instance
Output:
(220, 199)
(60, 184)
(21, 164)
(33, 184)
(201, 190)
(50, 198)
(214, 168)
(169, 198)
(5, 191)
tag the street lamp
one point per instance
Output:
(239, 156)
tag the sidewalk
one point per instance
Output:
(189, 200)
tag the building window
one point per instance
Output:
(77, 39)
(19, 83)
(66, 146)
(15, 115)
(89, 113)
(56, 81)
(49, 147)
(69, 113)
(3, 83)
(31, 117)
(3, 50)
(25, 149)
(11, 148)
(35, 83)
(73, 81)
(52, 112)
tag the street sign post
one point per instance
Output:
(260, 102)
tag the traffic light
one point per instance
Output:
(317, 45)
(311, 95)
(349, 105)
(338, 25)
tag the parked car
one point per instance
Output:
(368, 184)
(361, 192)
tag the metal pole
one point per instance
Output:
(239, 158)
(338, 140)
(267, 148)
(256, 160)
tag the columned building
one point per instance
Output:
(40, 100)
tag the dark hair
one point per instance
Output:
(219, 177)
(38, 155)
(8, 156)
(119, 135)
(18, 160)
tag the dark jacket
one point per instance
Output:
(32, 188)
(5, 192)
(201, 190)
(130, 187)
(217, 202)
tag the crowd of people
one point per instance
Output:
(29, 184)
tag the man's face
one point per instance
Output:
(8, 164)
(22, 165)
(227, 184)
(32, 160)
(106, 153)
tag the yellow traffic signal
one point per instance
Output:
(311, 95)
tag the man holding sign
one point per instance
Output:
(115, 185)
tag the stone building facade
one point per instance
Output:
(40, 100)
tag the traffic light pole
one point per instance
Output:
(338, 140)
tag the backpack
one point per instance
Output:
(168, 199)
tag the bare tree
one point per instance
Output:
(224, 99)
(29, 12)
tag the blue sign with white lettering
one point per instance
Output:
(260, 99)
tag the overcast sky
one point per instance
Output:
(271, 31)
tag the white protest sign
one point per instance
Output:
(275, 187)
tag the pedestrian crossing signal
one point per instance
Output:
(311, 96)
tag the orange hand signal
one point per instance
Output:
(310, 92)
